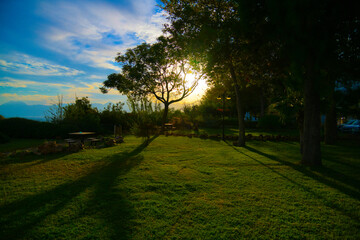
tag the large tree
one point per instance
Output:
(305, 32)
(231, 54)
(344, 65)
(156, 70)
(311, 33)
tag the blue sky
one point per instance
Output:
(50, 48)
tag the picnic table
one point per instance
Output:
(81, 135)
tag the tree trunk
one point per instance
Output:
(262, 103)
(311, 150)
(330, 121)
(300, 121)
(241, 114)
(239, 107)
(164, 120)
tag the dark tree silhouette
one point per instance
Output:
(307, 38)
(157, 70)
(232, 54)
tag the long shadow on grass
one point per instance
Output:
(327, 202)
(325, 171)
(331, 156)
(31, 158)
(19, 217)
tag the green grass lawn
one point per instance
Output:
(182, 188)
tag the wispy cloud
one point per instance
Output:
(98, 77)
(92, 33)
(21, 83)
(24, 64)
(33, 91)
(30, 98)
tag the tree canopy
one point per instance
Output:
(306, 45)
(156, 70)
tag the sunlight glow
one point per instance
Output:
(199, 91)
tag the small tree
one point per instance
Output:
(154, 70)
(145, 117)
(81, 115)
(55, 114)
(114, 114)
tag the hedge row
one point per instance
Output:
(235, 138)
(26, 128)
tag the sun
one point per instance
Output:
(199, 90)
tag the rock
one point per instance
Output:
(110, 142)
(75, 147)
(119, 139)
(48, 148)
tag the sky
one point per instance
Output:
(61, 47)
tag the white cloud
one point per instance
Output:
(32, 91)
(24, 64)
(97, 77)
(22, 83)
(35, 98)
(92, 33)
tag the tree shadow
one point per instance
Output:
(32, 158)
(330, 156)
(345, 164)
(309, 173)
(323, 170)
(18, 217)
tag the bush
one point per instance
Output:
(82, 116)
(4, 138)
(209, 122)
(181, 123)
(114, 114)
(143, 129)
(269, 122)
(231, 121)
(145, 118)
(25, 128)
(251, 124)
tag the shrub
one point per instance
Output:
(269, 122)
(82, 116)
(210, 122)
(251, 124)
(4, 138)
(203, 136)
(25, 128)
(145, 119)
(232, 121)
(181, 123)
(114, 114)
(143, 129)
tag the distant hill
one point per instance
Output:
(21, 109)
(34, 112)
